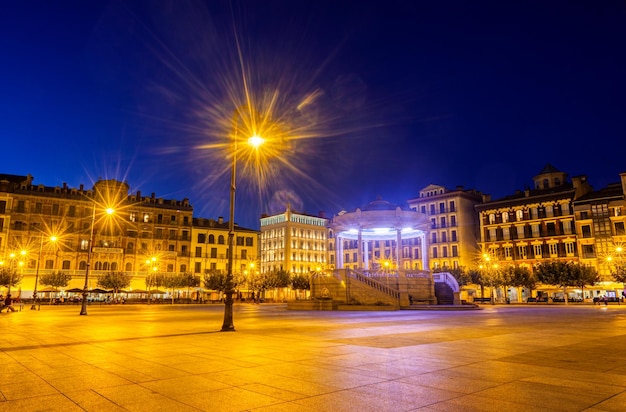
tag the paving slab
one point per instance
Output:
(174, 358)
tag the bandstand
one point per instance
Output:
(389, 249)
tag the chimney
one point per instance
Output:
(486, 198)
(81, 187)
(220, 220)
(139, 195)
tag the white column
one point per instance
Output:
(399, 249)
(425, 264)
(366, 255)
(359, 250)
(339, 252)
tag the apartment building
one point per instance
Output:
(534, 225)
(210, 247)
(453, 231)
(293, 242)
(600, 224)
(124, 230)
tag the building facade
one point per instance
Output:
(453, 231)
(45, 229)
(293, 242)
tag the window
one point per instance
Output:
(521, 251)
(508, 252)
(452, 206)
(554, 250)
(212, 239)
(435, 252)
(197, 267)
(198, 251)
(551, 228)
(505, 217)
(452, 220)
(455, 251)
(492, 218)
(619, 229)
(519, 215)
(432, 209)
(244, 254)
(220, 240)
(538, 251)
(588, 251)
(586, 229)
(444, 251)
(239, 241)
(569, 248)
(453, 235)
(442, 207)
(249, 241)
(536, 231)
(443, 221)
(505, 233)
(443, 237)
(434, 238)
(201, 238)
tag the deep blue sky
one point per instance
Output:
(475, 93)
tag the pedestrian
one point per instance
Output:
(606, 300)
(8, 303)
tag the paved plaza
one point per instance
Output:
(173, 358)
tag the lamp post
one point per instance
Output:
(228, 325)
(52, 239)
(110, 211)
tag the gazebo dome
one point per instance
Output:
(380, 220)
(379, 204)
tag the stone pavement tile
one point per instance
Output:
(537, 394)
(229, 399)
(406, 395)
(614, 404)
(449, 383)
(92, 380)
(52, 403)
(273, 391)
(93, 401)
(286, 407)
(338, 378)
(474, 403)
(490, 371)
(400, 368)
(603, 388)
(26, 387)
(184, 386)
(135, 397)
(351, 400)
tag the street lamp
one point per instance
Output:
(109, 211)
(228, 326)
(52, 239)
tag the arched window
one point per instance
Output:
(114, 266)
(212, 239)
(492, 218)
(128, 267)
(201, 238)
(505, 217)
(220, 239)
(546, 183)
(519, 214)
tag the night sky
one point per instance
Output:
(383, 97)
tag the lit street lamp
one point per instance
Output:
(228, 326)
(109, 211)
(52, 239)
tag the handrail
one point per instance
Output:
(373, 283)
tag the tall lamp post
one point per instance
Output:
(110, 211)
(52, 239)
(228, 325)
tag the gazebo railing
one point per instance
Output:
(373, 283)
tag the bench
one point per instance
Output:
(482, 300)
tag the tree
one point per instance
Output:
(9, 277)
(565, 275)
(619, 274)
(277, 279)
(516, 276)
(115, 281)
(300, 282)
(214, 280)
(188, 280)
(56, 280)
(171, 282)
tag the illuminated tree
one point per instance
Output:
(115, 281)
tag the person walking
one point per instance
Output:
(8, 303)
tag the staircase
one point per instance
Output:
(444, 294)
